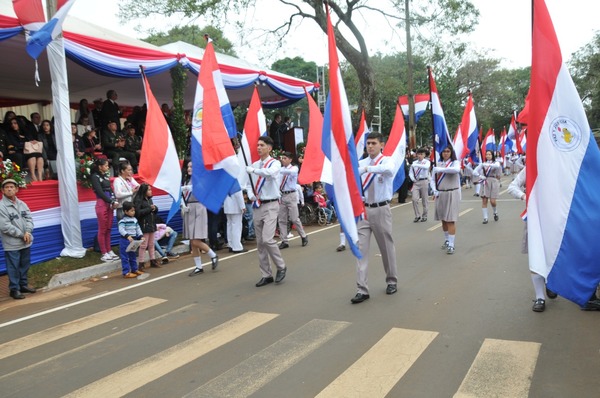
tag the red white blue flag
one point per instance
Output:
(488, 143)
(395, 147)
(421, 102)
(316, 166)
(159, 163)
(338, 146)
(563, 205)
(511, 136)
(441, 137)
(255, 126)
(469, 131)
(361, 136)
(215, 167)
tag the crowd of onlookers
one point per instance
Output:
(97, 131)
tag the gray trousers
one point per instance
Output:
(265, 222)
(420, 191)
(288, 209)
(378, 222)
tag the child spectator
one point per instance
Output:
(129, 229)
(319, 197)
(145, 211)
(166, 236)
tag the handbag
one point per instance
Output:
(31, 148)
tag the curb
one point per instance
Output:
(83, 274)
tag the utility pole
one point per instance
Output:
(412, 141)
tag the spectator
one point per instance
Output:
(113, 145)
(84, 114)
(165, 236)
(110, 110)
(92, 145)
(16, 141)
(78, 146)
(50, 151)
(105, 205)
(16, 227)
(145, 211)
(129, 229)
(96, 113)
(319, 198)
(124, 187)
(133, 142)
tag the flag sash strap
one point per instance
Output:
(284, 179)
(439, 178)
(369, 178)
(260, 182)
(418, 171)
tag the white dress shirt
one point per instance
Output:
(382, 182)
(270, 188)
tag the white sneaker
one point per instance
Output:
(290, 235)
(113, 255)
(106, 257)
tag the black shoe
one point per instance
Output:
(496, 218)
(238, 251)
(280, 275)
(215, 262)
(417, 219)
(592, 305)
(485, 221)
(196, 271)
(250, 238)
(423, 219)
(359, 298)
(340, 248)
(550, 294)
(27, 289)
(172, 256)
(283, 245)
(391, 289)
(17, 295)
(264, 281)
(305, 241)
(476, 194)
(539, 305)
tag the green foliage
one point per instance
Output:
(180, 130)
(193, 35)
(585, 69)
(296, 67)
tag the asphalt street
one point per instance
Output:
(460, 325)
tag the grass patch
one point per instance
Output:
(40, 274)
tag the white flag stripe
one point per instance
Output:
(252, 374)
(502, 368)
(137, 375)
(375, 373)
(58, 332)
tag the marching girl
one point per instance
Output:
(489, 172)
(467, 172)
(446, 189)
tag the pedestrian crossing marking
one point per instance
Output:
(375, 373)
(253, 373)
(137, 375)
(67, 329)
(502, 368)
(462, 213)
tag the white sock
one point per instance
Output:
(446, 235)
(211, 253)
(485, 213)
(451, 240)
(477, 188)
(494, 209)
(539, 284)
(198, 262)
(342, 239)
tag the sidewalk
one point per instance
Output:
(80, 275)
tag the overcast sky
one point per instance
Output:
(505, 28)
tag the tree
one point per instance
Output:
(193, 35)
(585, 69)
(450, 16)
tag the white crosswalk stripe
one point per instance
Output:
(380, 368)
(502, 368)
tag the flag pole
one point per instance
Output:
(246, 163)
(432, 125)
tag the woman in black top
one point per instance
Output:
(105, 205)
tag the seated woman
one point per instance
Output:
(78, 147)
(50, 151)
(319, 197)
(15, 135)
(92, 144)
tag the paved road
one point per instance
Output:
(459, 326)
